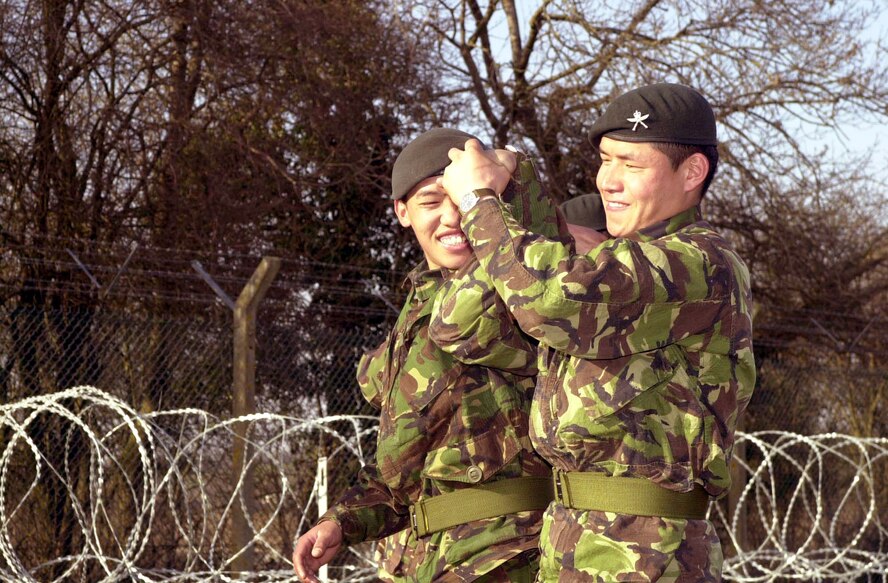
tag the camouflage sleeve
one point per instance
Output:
(471, 322)
(625, 296)
(531, 206)
(369, 510)
(469, 319)
(371, 369)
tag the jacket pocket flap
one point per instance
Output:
(473, 461)
(606, 386)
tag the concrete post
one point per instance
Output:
(244, 403)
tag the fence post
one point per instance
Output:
(322, 503)
(244, 403)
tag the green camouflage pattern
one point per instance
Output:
(397, 551)
(479, 332)
(439, 417)
(579, 545)
(645, 364)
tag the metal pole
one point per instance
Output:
(322, 503)
(244, 403)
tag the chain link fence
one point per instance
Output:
(150, 361)
(157, 363)
(158, 352)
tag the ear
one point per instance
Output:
(401, 213)
(696, 168)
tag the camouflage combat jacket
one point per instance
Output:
(645, 364)
(444, 425)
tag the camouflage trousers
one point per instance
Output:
(521, 568)
(600, 547)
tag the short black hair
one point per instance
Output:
(678, 153)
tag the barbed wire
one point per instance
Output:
(165, 275)
(298, 279)
(371, 287)
(173, 465)
(813, 537)
(148, 465)
(111, 256)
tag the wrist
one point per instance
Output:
(468, 200)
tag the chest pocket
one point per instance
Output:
(603, 387)
(470, 462)
(418, 376)
(408, 423)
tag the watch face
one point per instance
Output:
(468, 201)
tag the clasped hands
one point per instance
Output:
(474, 168)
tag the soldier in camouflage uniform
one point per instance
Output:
(454, 462)
(645, 343)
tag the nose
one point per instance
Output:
(608, 179)
(450, 214)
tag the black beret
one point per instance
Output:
(586, 211)
(665, 112)
(425, 156)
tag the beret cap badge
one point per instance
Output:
(637, 118)
(662, 112)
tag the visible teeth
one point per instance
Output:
(453, 239)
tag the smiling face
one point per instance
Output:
(639, 187)
(435, 221)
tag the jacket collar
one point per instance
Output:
(671, 225)
(424, 281)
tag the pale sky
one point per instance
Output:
(860, 137)
(854, 138)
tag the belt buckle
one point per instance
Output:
(417, 520)
(556, 480)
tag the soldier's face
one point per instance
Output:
(435, 222)
(639, 187)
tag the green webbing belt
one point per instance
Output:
(509, 496)
(637, 496)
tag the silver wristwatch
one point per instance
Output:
(470, 198)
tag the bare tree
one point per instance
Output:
(210, 126)
(72, 85)
(781, 77)
(542, 72)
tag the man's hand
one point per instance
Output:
(475, 168)
(315, 548)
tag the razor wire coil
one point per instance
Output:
(140, 466)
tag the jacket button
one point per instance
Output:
(474, 474)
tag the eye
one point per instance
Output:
(431, 201)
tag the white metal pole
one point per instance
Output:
(322, 502)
